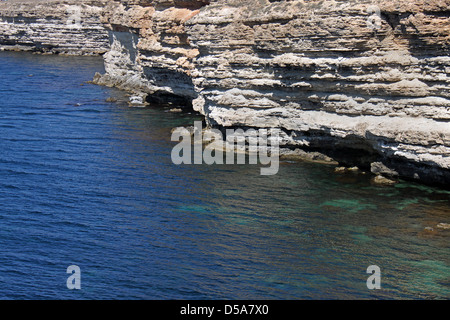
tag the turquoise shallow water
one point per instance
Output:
(91, 183)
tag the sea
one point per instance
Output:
(88, 181)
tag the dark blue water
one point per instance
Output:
(90, 183)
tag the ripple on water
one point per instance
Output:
(91, 183)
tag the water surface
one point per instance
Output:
(91, 183)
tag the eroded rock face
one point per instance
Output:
(53, 26)
(361, 81)
(150, 49)
(364, 82)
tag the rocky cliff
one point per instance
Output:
(366, 83)
(53, 26)
(151, 51)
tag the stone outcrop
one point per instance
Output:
(53, 26)
(150, 51)
(366, 83)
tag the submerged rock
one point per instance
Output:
(301, 155)
(347, 170)
(381, 180)
(379, 168)
(137, 101)
(340, 169)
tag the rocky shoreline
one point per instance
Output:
(53, 27)
(362, 83)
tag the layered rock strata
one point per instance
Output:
(53, 26)
(151, 53)
(365, 82)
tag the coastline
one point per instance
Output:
(91, 183)
(376, 99)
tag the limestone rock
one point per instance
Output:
(364, 89)
(335, 77)
(380, 180)
(380, 169)
(53, 26)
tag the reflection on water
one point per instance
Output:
(91, 183)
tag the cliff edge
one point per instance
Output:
(363, 82)
(53, 26)
(366, 83)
